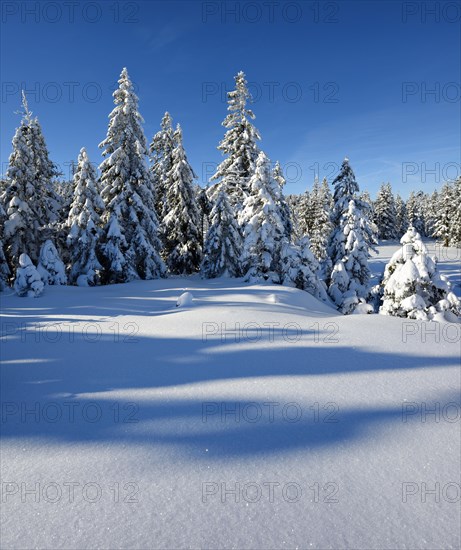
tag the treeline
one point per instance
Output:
(142, 215)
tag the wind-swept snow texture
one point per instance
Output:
(259, 418)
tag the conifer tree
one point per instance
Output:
(401, 222)
(4, 269)
(351, 237)
(223, 244)
(262, 224)
(83, 225)
(385, 214)
(285, 212)
(321, 226)
(28, 282)
(182, 250)
(161, 156)
(50, 266)
(300, 269)
(442, 223)
(239, 145)
(130, 243)
(412, 286)
(455, 226)
(29, 199)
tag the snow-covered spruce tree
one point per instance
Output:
(239, 145)
(300, 269)
(262, 224)
(130, 244)
(28, 281)
(282, 203)
(350, 277)
(321, 226)
(181, 225)
(83, 225)
(351, 237)
(385, 214)
(29, 199)
(412, 286)
(51, 268)
(161, 156)
(223, 244)
(444, 209)
(401, 222)
(455, 226)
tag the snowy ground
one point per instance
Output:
(145, 425)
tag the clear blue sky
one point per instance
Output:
(338, 70)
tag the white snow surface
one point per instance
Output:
(164, 382)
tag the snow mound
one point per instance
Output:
(185, 300)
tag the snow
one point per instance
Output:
(165, 381)
(185, 300)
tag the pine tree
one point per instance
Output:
(28, 196)
(223, 244)
(385, 213)
(282, 203)
(130, 244)
(351, 237)
(401, 222)
(350, 277)
(412, 286)
(262, 224)
(239, 145)
(50, 266)
(182, 250)
(161, 156)
(83, 224)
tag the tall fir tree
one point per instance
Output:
(161, 156)
(278, 177)
(83, 225)
(385, 213)
(130, 244)
(262, 224)
(351, 237)
(28, 195)
(401, 219)
(182, 250)
(239, 145)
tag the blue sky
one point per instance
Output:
(330, 79)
